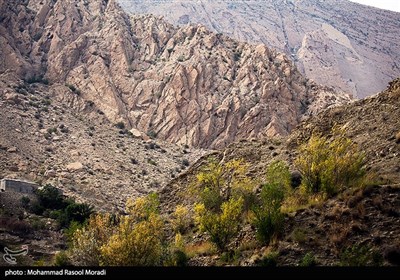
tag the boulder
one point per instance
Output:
(75, 166)
(135, 133)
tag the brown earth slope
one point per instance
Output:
(351, 47)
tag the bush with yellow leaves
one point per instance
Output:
(88, 241)
(181, 219)
(221, 226)
(131, 240)
(134, 243)
(330, 165)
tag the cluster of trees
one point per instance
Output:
(227, 198)
(53, 204)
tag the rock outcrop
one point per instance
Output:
(338, 43)
(184, 85)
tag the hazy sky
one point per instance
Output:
(393, 5)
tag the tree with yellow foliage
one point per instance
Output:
(222, 226)
(138, 239)
(181, 219)
(218, 182)
(87, 241)
(135, 243)
(131, 240)
(330, 165)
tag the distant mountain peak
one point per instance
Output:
(337, 43)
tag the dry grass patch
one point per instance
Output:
(204, 248)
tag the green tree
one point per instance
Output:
(50, 197)
(268, 219)
(78, 212)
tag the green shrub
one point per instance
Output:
(73, 89)
(179, 258)
(211, 198)
(308, 260)
(231, 257)
(38, 224)
(299, 235)
(50, 197)
(73, 227)
(270, 260)
(278, 174)
(152, 134)
(330, 166)
(357, 256)
(176, 253)
(55, 214)
(25, 201)
(37, 209)
(120, 125)
(268, 219)
(64, 210)
(61, 259)
(74, 212)
(237, 56)
(217, 183)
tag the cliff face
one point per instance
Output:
(338, 43)
(184, 85)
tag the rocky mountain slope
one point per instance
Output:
(183, 85)
(356, 218)
(338, 43)
(50, 135)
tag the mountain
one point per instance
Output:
(183, 85)
(107, 106)
(338, 43)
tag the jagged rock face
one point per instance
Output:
(184, 85)
(338, 43)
